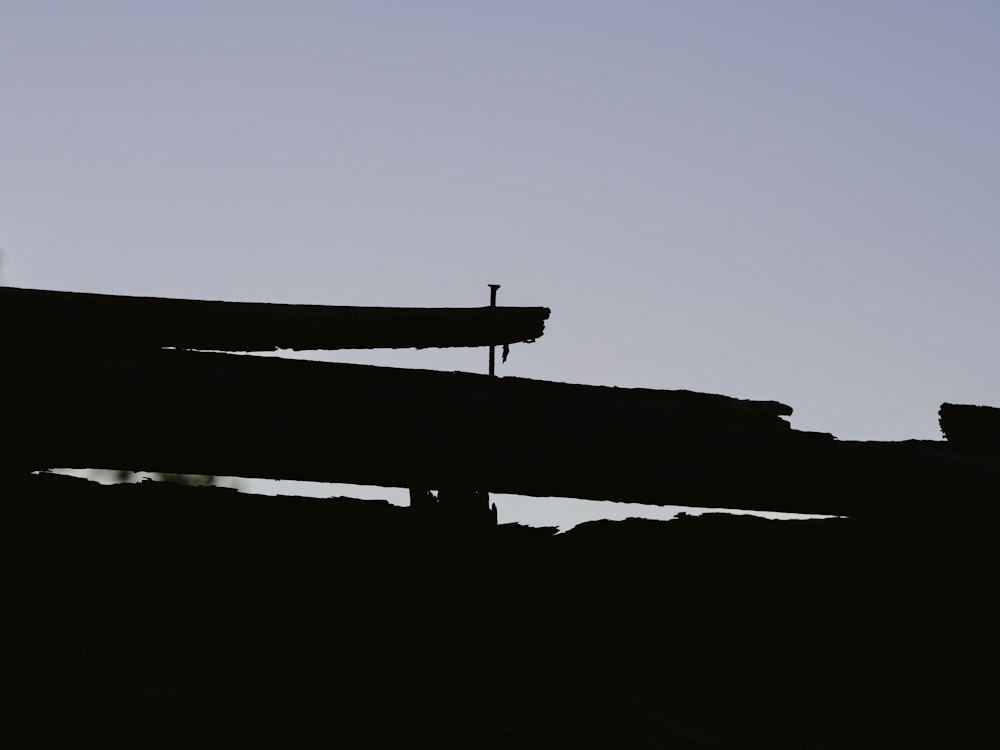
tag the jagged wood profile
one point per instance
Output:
(975, 427)
(72, 402)
(311, 621)
(59, 319)
(206, 413)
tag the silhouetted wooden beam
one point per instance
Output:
(202, 413)
(973, 427)
(44, 318)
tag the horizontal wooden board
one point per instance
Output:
(36, 318)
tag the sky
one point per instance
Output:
(788, 200)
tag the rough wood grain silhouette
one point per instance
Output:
(46, 318)
(182, 614)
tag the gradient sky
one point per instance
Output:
(789, 200)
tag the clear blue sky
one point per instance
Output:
(789, 200)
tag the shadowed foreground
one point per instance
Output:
(179, 614)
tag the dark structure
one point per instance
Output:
(180, 613)
(68, 319)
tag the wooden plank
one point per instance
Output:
(968, 426)
(46, 318)
(200, 413)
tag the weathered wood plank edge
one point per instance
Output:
(35, 318)
(192, 412)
